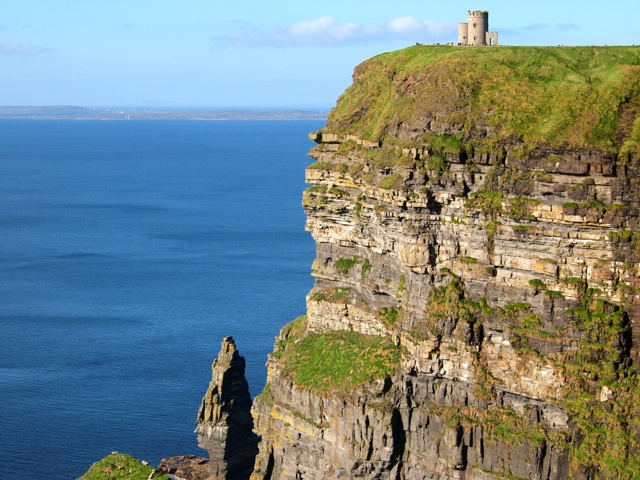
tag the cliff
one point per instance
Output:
(475, 313)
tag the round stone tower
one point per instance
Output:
(478, 27)
(463, 33)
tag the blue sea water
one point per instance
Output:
(128, 250)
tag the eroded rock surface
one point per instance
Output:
(185, 467)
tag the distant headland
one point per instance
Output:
(66, 112)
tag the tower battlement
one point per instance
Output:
(478, 13)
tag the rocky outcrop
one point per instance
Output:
(224, 424)
(475, 313)
(185, 467)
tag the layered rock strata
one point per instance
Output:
(475, 313)
(224, 423)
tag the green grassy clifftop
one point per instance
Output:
(566, 97)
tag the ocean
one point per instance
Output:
(128, 250)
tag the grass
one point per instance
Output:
(537, 284)
(489, 202)
(337, 361)
(338, 192)
(386, 157)
(390, 315)
(120, 466)
(576, 282)
(500, 424)
(593, 204)
(357, 209)
(519, 208)
(511, 428)
(554, 294)
(266, 395)
(330, 295)
(366, 266)
(345, 264)
(563, 96)
(522, 228)
(443, 144)
(391, 182)
(402, 285)
(326, 166)
(437, 163)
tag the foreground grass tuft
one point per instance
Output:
(120, 466)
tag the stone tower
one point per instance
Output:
(475, 32)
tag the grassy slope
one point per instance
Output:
(334, 362)
(120, 466)
(563, 96)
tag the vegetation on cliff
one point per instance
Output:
(334, 361)
(602, 390)
(562, 96)
(121, 466)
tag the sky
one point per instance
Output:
(253, 53)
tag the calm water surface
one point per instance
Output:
(128, 250)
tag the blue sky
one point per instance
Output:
(250, 53)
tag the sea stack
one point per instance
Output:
(224, 424)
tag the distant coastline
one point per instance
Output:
(65, 112)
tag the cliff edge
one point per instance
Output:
(475, 313)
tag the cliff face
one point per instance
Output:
(476, 312)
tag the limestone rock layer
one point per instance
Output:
(475, 313)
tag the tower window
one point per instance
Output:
(475, 25)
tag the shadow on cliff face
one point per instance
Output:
(241, 448)
(399, 441)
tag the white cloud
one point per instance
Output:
(567, 26)
(328, 31)
(546, 26)
(324, 29)
(536, 26)
(7, 48)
